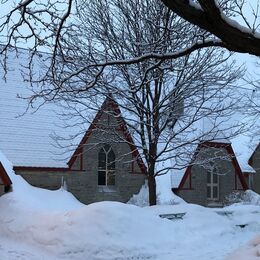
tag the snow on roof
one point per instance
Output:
(243, 144)
(26, 138)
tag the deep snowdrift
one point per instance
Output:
(40, 224)
(27, 196)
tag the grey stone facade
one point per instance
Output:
(84, 184)
(82, 176)
(196, 191)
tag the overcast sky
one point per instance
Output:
(248, 60)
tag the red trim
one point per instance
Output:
(235, 182)
(109, 101)
(87, 134)
(4, 176)
(31, 168)
(230, 151)
(184, 178)
(251, 159)
(238, 170)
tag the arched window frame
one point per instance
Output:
(106, 166)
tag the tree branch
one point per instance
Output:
(209, 17)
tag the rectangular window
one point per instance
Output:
(212, 186)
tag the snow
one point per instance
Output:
(26, 136)
(164, 194)
(249, 252)
(240, 27)
(27, 196)
(40, 224)
(244, 146)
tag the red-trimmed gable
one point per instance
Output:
(4, 176)
(229, 149)
(109, 102)
(250, 161)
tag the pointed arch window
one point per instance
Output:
(106, 166)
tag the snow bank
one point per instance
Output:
(141, 199)
(248, 197)
(113, 230)
(164, 194)
(251, 197)
(40, 224)
(248, 252)
(23, 194)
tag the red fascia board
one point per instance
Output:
(122, 124)
(238, 170)
(32, 168)
(92, 126)
(4, 176)
(230, 151)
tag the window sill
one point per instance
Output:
(214, 203)
(107, 188)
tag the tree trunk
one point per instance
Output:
(152, 189)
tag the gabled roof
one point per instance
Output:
(26, 138)
(4, 176)
(229, 150)
(110, 102)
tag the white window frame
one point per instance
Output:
(211, 185)
(106, 170)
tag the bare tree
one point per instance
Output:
(157, 66)
(165, 102)
(44, 23)
(211, 15)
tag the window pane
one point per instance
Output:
(215, 192)
(111, 178)
(102, 159)
(111, 160)
(208, 177)
(101, 178)
(215, 178)
(107, 147)
(208, 192)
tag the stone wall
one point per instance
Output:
(84, 185)
(198, 192)
(82, 178)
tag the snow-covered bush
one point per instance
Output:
(243, 197)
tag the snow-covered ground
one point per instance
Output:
(40, 224)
